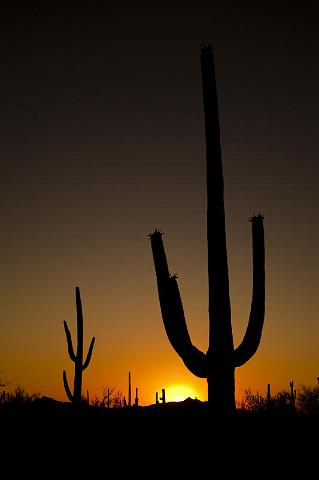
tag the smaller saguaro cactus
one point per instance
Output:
(293, 394)
(129, 390)
(163, 398)
(156, 398)
(136, 398)
(77, 358)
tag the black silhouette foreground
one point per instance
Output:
(219, 363)
(79, 366)
(175, 436)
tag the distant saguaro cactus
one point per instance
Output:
(219, 363)
(163, 397)
(129, 390)
(268, 401)
(77, 358)
(293, 394)
(136, 398)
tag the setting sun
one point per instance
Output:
(178, 393)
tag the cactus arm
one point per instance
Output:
(66, 387)
(89, 355)
(193, 358)
(69, 340)
(172, 311)
(252, 337)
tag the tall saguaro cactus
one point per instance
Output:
(77, 358)
(219, 363)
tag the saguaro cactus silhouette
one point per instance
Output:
(77, 358)
(129, 390)
(219, 363)
(268, 401)
(293, 394)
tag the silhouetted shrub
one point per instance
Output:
(308, 399)
(254, 402)
(281, 400)
(3, 383)
(19, 397)
(109, 399)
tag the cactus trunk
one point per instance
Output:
(219, 363)
(220, 333)
(77, 391)
(221, 384)
(221, 371)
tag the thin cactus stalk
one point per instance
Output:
(79, 366)
(129, 390)
(156, 398)
(293, 394)
(136, 398)
(219, 363)
(268, 396)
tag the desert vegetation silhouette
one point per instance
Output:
(77, 358)
(219, 363)
(303, 401)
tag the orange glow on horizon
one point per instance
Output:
(90, 167)
(179, 392)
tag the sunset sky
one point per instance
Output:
(102, 141)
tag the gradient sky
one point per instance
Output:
(102, 141)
